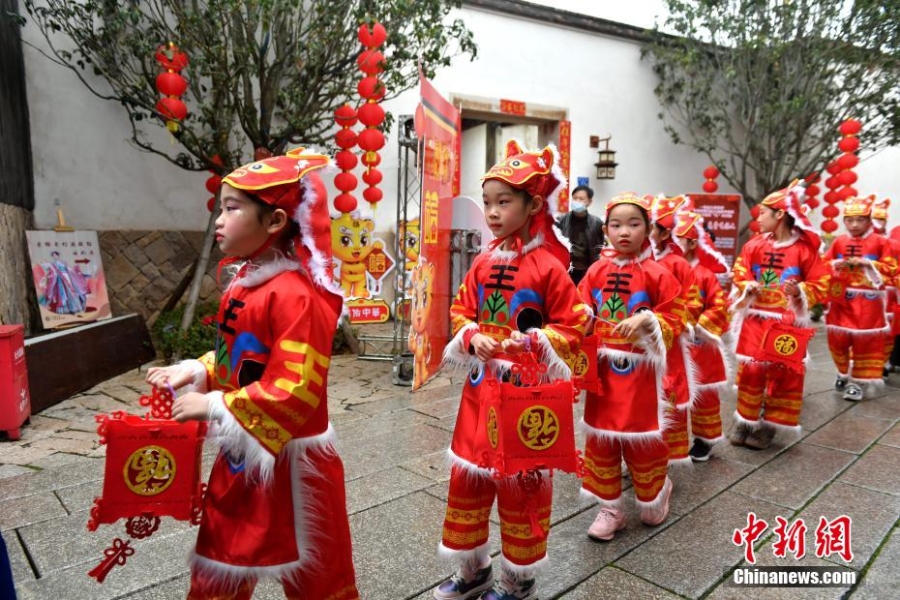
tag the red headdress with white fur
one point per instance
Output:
(290, 182)
(538, 174)
(790, 200)
(689, 226)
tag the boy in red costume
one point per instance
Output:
(710, 319)
(891, 341)
(681, 373)
(777, 277)
(275, 503)
(861, 261)
(517, 294)
(634, 299)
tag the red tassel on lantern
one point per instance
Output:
(171, 85)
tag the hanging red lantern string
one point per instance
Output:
(812, 190)
(171, 85)
(840, 184)
(213, 184)
(371, 114)
(831, 197)
(754, 215)
(346, 160)
(710, 174)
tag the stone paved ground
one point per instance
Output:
(393, 444)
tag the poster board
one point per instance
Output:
(68, 277)
(721, 214)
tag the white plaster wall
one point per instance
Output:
(82, 155)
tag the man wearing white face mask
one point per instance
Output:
(584, 230)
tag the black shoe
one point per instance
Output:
(840, 383)
(854, 393)
(700, 451)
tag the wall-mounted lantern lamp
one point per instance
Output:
(606, 161)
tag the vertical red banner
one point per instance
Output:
(721, 213)
(565, 148)
(430, 308)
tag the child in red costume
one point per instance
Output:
(275, 504)
(710, 319)
(777, 277)
(681, 373)
(891, 341)
(861, 261)
(517, 293)
(634, 299)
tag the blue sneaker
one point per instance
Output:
(465, 584)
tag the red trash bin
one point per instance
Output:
(15, 403)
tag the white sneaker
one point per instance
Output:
(853, 392)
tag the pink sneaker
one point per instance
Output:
(656, 516)
(607, 523)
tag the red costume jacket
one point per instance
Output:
(618, 287)
(709, 314)
(275, 503)
(505, 292)
(681, 372)
(858, 296)
(772, 264)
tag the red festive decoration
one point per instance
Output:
(171, 85)
(849, 144)
(371, 114)
(346, 160)
(829, 226)
(710, 173)
(850, 127)
(848, 161)
(842, 176)
(831, 211)
(812, 191)
(754, 215)
(152, 470)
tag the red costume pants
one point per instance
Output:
(524, 504)
(706, 418)
(769, 391)
(676, 433)
(867, 351)
(647, 460)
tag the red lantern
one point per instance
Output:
(172, 109)
(814, 178)
(710, 186)
(371, 114)
(831, 211)
(213, 183)
(812, 203)
(710, 172)
(371, 159)
(345, 182)
(171, 84)
(849, 144)
(371, 88)
(846, 192)
(370, 140)
(345, 116)
(345, 203)
(345, 138)
(813, 190)
(833, 168)
(850, 127)
(831, 197)
(848, 161)
(171, 58)
(847, 177)
(833, 183)
(372, 176)
(373, 195)
(373, 38)
(211, 204)
(346, 160)
(370, 61)
(753, 226)
(829, 226)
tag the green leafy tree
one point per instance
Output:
(263, 74)
(761, 86)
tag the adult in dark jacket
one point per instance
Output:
(584, 230)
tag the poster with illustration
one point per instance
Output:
(68, 277)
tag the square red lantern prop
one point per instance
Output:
(786, 345)
(152, 470)
(526, 427)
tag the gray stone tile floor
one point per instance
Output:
(393, 442)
